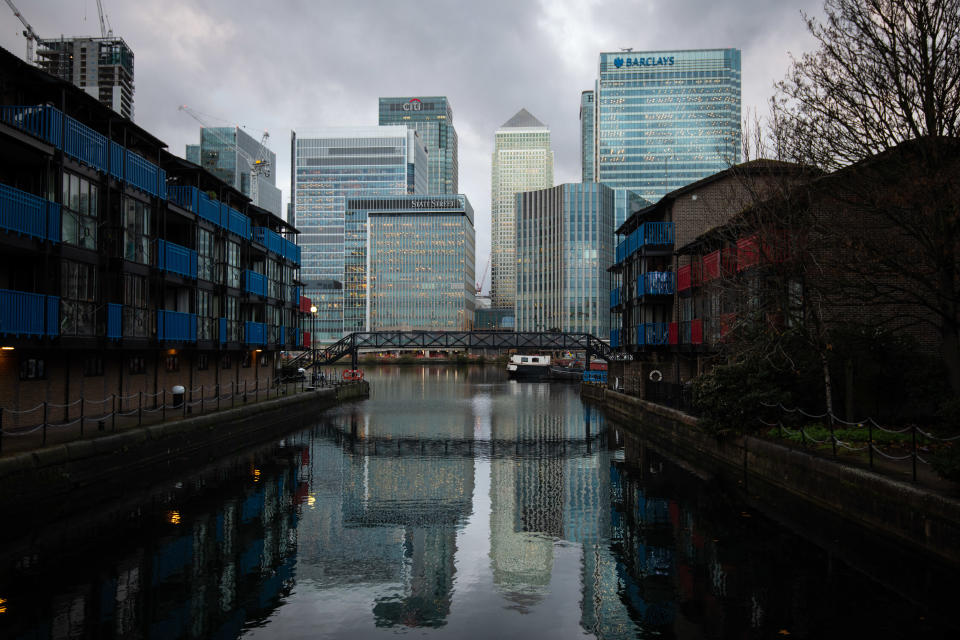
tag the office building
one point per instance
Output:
(522, 161)
(665, 119)
(102, 67)
(230, 154)
(564, 244)
(126, 272)
(329, 166)
(587, 138)
(409, 264)
(432, 118)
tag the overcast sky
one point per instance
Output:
(285, 64)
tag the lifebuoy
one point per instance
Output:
(353, 375)
(656, 376)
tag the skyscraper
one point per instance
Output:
(564, 245)
(229, 153)
(103, 67)
(522, 161)
(328, 166)
(587, 138)
(666, 118)
(432, 118)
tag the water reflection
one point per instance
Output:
(452, 501)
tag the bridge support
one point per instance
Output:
(354, 355)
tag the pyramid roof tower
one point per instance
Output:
(522, 119)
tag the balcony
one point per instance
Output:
(673, 333)
(648, 234)
(176, 259)
(29, 314)
(615, 338)
(305, 304)
(114, 321)
(144, 175)
(748, 252)
(255, 283)
(658, 283)
(43, 122)
(296, 336)
(711, 266)
(684, 279)
(29, 215)
(696, 331)
(254, 333)
(615, 298)
(234, 221)
(86, 145)
(176, 326)
(277, 244)
(653, 334)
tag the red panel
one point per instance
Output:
(748, 252)
(306, 339)
(711, 266)
(696, 272)
(728, 260)
(673, 333)
(684, 278)
(305, 304)
(696, 332)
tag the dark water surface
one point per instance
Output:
(452, 502)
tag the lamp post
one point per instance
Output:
(313, 341)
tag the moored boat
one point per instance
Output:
(529, 367)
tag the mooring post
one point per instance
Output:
(139, 408)
(113, 418)
(44, 423)
(81, 417)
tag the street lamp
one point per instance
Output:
(313, 340)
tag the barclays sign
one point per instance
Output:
(661, 61)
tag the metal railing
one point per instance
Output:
(176, 326)
(29, 215)
(29, 314)
(595, 377)
(658, 283)
(176, 259)
(255, 283)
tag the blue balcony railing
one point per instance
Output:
(185, 198)
(652, 334)
(658, 283)
(84, 144)
(114, 321)
(254, 332)
(222, 330)
(615, 338)
(176, 326)
(595, 377)
(234, 221)
(176, 259)
(41, 121)
(255, 283)
(29, 215)
(116, 160)
(29, 314)
(143, 174)
(647, 234)
(209, 208)
(614, 298)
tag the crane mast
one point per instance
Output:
(105, 30)
(28, 31)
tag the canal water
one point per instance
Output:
(451, 502)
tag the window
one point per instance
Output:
(246, 359)
(173, 362)
(136, 231)
(135, 365)
(32, 369)
(137, 319)
(203, 362)
(264, 360)
(93, 366)
(205, 255)
(206, 315)
(78, 292)
(79, 211)
(226, 362)
(231, 264)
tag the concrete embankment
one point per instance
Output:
(905, 513)
(62, 478)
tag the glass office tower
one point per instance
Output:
(522, 161)
(587, 137)
(666, 118)
(432, 118)
(218, 153)
(328, 166)
(564, 245)
(409, 263)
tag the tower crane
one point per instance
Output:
(483, 277)
(28, 31)
(258, 166)
(106, 31)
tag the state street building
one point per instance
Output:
(409, 263)
(665, 119)
(564, 244)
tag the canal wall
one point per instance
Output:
(59, 479)
(926, 521)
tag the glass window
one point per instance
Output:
(79, 212)
(136, 231)
(78, 287)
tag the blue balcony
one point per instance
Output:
(648, 234)
(145, 175)
(254, 332)
(86, 145)
(291, 251)
(255, 283)
(29, 314)
(176, 326)
(653, 334)
(116, 160)
(29, 215)
(186, 198)
(209, 209)
(176, 259)
(658, 283)
(615, 298)
(43, 122)
(296, 336)
(234, 221)
(114, 321)
(615, 338)
(222, 333)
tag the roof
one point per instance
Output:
(522, 119)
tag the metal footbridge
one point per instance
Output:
(525, 341)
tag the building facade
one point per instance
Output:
(103, 67)
(588, 139)
(125, 269)
(522, 161)
(432, 118)
(665, 119)
(329, 166)
(409, 264)
(564, 244)
(229, 154)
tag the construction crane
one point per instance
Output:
(483, 277)
(28, 31)
(106, 31)
(258, 166)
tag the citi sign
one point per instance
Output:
(619, 62)
(413, 104)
